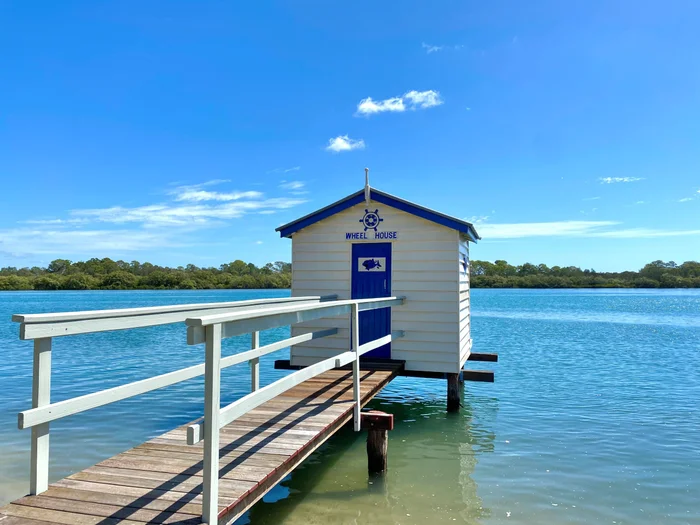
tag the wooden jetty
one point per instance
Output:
(161, 480)
(215, 468)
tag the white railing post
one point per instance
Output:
(41, 395)
(355, 347)
(212, 407)
(255, 363)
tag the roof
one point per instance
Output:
(379, 196)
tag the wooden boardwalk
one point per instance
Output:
(160, 481)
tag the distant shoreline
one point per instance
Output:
(106, 274)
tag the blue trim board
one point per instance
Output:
(379, 196)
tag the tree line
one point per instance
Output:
(656, 274)
(106, 274)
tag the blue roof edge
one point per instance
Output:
(287, 230)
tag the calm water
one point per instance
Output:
(593, 418)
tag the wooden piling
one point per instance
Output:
(377, 425)
(453, 393)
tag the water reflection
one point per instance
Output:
(432, 457)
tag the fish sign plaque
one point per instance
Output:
(371, 264)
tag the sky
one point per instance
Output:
(186, 132)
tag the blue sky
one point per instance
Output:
(186, 132)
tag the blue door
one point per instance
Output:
(371, 277)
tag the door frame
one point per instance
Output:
(388, 276)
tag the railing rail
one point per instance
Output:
(43, 327)
(212, 329)
(51, 412)
(36, 326)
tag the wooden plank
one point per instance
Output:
(101, 510)
(137, 496)
(12, 520)
(178, 483)
(474, 356)
(243, 472)
(114, 495)
(64, 518)
(254, 458)
(279, 451)
(485, 376)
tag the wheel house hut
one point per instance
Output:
(372, 244)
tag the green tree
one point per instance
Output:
(119, 280)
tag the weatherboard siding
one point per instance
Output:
(424, 270)
(465, 337)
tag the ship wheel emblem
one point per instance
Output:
(371, 220)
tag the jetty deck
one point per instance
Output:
(160, 481)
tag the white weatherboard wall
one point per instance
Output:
(465, 333)
(426, 269)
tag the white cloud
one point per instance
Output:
(47, 222)
(117, 229)
(344, 143)
(285, 170)
(541, 229)
(574, 229)
(202, 195)
(368, 106)
(615, 180)
(591, 199)
(477, 219)
(641, 202)
(434, 49)
(688, 199)
(424, 99)
(28, 241)
(645, 233)
(184, 215)
(292, 185)
(195, 193)
(412, 100)
(431, 49)
(258, 242)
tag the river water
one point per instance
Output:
(594, 416)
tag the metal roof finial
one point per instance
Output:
(367, 192)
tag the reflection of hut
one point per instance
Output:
(372, 244)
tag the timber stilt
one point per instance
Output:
(453, 393)
(377, 424)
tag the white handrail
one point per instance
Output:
(149, 310)
(35, 326)
(54, 411)
(195, 431)
(247, 321)
(43, 327)
(364, 304)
